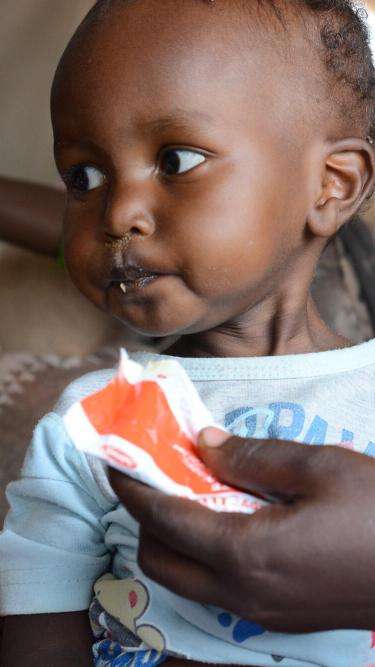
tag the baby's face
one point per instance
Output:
(188, 169)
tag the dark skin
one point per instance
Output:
(273, 558)
(180, 191)
(31, 215)
(64, 640)
(200, 229)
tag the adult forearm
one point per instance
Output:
(31, 215)
(61, 640)
(65, 658)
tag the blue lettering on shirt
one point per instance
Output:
(287, 421)
(370, 449)
(317, 433)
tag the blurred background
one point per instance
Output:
(38, 304)
(49, 334)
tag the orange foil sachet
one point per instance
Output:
(145, 423)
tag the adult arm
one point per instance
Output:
(31, 215)
(61, 640)
(303, 563)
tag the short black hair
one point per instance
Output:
(345, 51)
(343, 45)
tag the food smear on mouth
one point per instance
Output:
(139, 282)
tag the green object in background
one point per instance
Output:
(60, 257)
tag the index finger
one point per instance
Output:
(181, 524)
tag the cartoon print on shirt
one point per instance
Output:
(127, 600)
(111, 654)
(242, 630)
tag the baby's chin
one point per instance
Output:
(161, 321)
(154, 312)
(154, 328)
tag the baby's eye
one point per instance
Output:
(179, 161)
(84, 178)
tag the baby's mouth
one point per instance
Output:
(134, 278)
(140, 283)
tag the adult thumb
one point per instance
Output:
(272, 468)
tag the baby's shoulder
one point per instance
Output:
(81, 387)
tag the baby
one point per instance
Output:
(210, 150)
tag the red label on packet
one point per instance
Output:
(145, 423)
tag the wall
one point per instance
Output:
(40, 310)
(33, 34)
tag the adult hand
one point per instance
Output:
(303, 563)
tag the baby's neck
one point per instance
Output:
(281, 334)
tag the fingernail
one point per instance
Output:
(212, 437)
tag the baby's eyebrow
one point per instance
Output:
(180, 119)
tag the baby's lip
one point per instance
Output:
(133, 273)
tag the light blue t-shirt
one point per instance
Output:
(66, 529)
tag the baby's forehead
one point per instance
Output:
(176, 52)
(237, 23)
(229, 26)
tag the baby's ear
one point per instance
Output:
(348, 178)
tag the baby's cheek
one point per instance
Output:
(231, 249)
(85, 267)
(228, 268)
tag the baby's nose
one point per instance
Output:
(129, 210)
